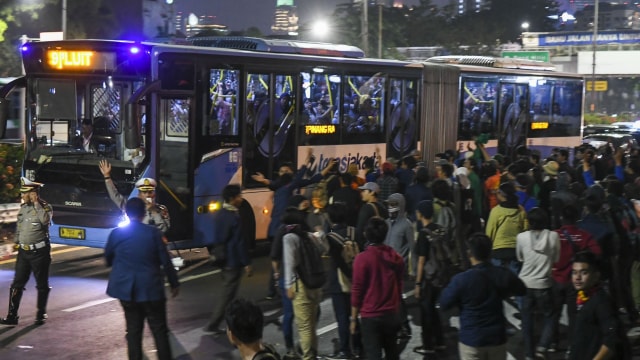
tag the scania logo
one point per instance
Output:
(73, 203)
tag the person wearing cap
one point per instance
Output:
(550, 169)
(157, 215)
(34, 251)
(371, 207)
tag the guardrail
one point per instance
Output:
(9, 213)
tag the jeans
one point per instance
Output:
(563, 294)
(226, 293)
(342, 310)
(381, 333)
(287, 316)
(432, 334)
(541, 299)
(156, 314)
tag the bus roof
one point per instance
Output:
(494, 62)
(278, 46)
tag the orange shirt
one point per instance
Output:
(491, 186)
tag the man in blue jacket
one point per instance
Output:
(140, 262)
(228, 235)
(478, 293)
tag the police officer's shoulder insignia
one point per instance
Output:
(163, 210)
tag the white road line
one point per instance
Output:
(89, 304)
(103, 301)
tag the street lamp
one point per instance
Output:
(525, 26)
(320, 29)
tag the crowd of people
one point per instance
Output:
(471, 230)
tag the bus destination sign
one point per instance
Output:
(319, 129)
(80, 60)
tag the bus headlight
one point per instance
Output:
(214, 206)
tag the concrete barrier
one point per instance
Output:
(9, 213)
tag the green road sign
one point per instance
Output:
(530, 55)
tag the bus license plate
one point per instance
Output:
(69, 233)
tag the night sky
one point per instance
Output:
(242, 14)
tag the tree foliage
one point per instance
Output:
(85, 19)
(428, 25)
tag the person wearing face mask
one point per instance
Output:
(401, 238)
(156, 214)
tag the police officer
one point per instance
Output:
(157, 214)
(34, 251)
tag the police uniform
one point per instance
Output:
(34, 254)
(157, 214)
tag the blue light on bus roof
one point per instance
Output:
(134, 49)
(24, 48)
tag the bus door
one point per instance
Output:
(270, 125)
(403, 128)
(172, 169)
(513, 117)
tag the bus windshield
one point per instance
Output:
(73, 120)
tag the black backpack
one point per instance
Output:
(269, 353)
(310, 267)
(438, 268)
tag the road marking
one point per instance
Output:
(103, 301)
(89, 304)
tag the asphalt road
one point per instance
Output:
(84, 323)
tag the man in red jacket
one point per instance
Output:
(572, 241)
(376, 291)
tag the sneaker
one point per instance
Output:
(342, 355)
(404, 333)
(540, 356)
(291, 354)
(553, 348)
(423, 350)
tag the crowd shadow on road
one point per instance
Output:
(15, 336)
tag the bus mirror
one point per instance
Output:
(5, 105)
(132, 127)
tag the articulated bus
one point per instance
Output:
(198, 117)
(516, 103)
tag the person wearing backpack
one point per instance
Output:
(431, 277)
(376, 291)
(342, 252)
(444, 214)
(245, 323)
(304, 277)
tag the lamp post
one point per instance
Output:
(365, 26)
(379, 30)
(64, 19)
(593, 62)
